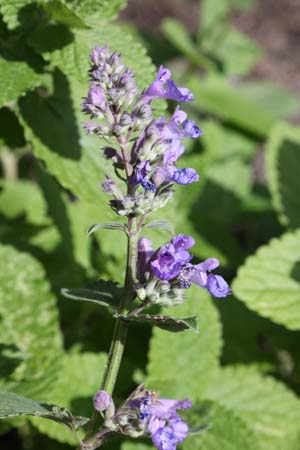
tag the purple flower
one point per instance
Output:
(183, 242)
(164, 87)
(95, 103)
(102, 400)
(191, 130)
(99, 55)
(168, 261)
(166, 427)
(217, 286)
(185, 176)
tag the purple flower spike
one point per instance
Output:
(217, 286)
(102, 400)
(185, 176)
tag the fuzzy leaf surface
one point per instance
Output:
(283, 168)
(269, 281)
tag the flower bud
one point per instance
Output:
(102, 400)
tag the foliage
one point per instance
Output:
(50, 199)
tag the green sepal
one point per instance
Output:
(165, 322)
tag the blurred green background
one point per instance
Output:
(240, 58)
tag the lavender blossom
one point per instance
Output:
(164, 87)
(172, 262)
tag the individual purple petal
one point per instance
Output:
(183, 242)
(180, 429)
(217, 286)
(208, 265)
(142, 170)
(102, 400)
(164, 439)
(179, 94)
(185, 176)
(166, 267)
(190, 129)
(164, 87)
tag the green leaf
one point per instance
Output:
(266, 405)
(158, 224)
(283, 166)
(102, 293)
(77, 382)
(174, 357)
(269, 281)
(215, 95)
(23, 197)
(28, 320)
(60, 12)
(25, 78)
(278, 100)
(178, 35)
(94, 10)
(11, 11)
(106, 226)
(237, 52)
(227, 431)
(12, 405)
(164, 322)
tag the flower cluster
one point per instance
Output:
(144, 152)
(143, 414)
(166, 272)
(150, 162)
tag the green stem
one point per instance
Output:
(120, 332)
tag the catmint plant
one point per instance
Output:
(145, 157)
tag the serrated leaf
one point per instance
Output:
(60, 12)
(227, 431)
(174, 354)
(269, 408)
(269, 282)
(29, 320)
(106, 226)
(98, 9)
(76, 384)
(13, 405)
(283, 168)
(217, 96)
(102, 293)
(164, 225)
(165, 322)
